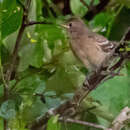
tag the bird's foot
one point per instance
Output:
(87, 84)
(110, 74)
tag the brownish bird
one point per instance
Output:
(94, 50)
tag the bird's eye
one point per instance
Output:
(70, 24)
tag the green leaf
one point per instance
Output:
(25, 57)
(96, 2)
(67, 76)
(114, 94)
(52, 102)
(17, 99)
(37, 56)
(40, 88)
(31, 84)
(7, 109)
(32, 11)
(11, 17)
(39, 9)
(1, 124)
(102, 19)
(121, 23)
(50, 93)
(53, 123)
(50, 32)
(68, 95)
(78, 8)
(35, 110)
(31, 54)
(47, 52)
(124, 2)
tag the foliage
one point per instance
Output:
(48, 73)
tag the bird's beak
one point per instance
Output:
(64, 26)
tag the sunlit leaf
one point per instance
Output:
(11, 17)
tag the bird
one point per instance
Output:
(94, 50)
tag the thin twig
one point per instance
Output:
(37, 22)
(15, 53)
(5, 122)
(5, 84)
(96, 9)
(123, 38)
(90, 6)
(91, 3)
(69, 120)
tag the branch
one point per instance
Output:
(69, 120)
(84, 3)
(5, 122)
(5, 84)
(66, 9)
(36, 22)
(122, 41)
(94, 10)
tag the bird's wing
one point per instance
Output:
(105, 44)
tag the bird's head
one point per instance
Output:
(74, 26)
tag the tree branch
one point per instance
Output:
(5, 122)
(5, 84)
(69, 120)
(94, 10)
(84, 3)
(36, 22)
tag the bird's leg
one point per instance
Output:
(109, 71)
(106, 70)
(86, 83)
(111, 74)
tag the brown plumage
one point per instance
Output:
(92, 49)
